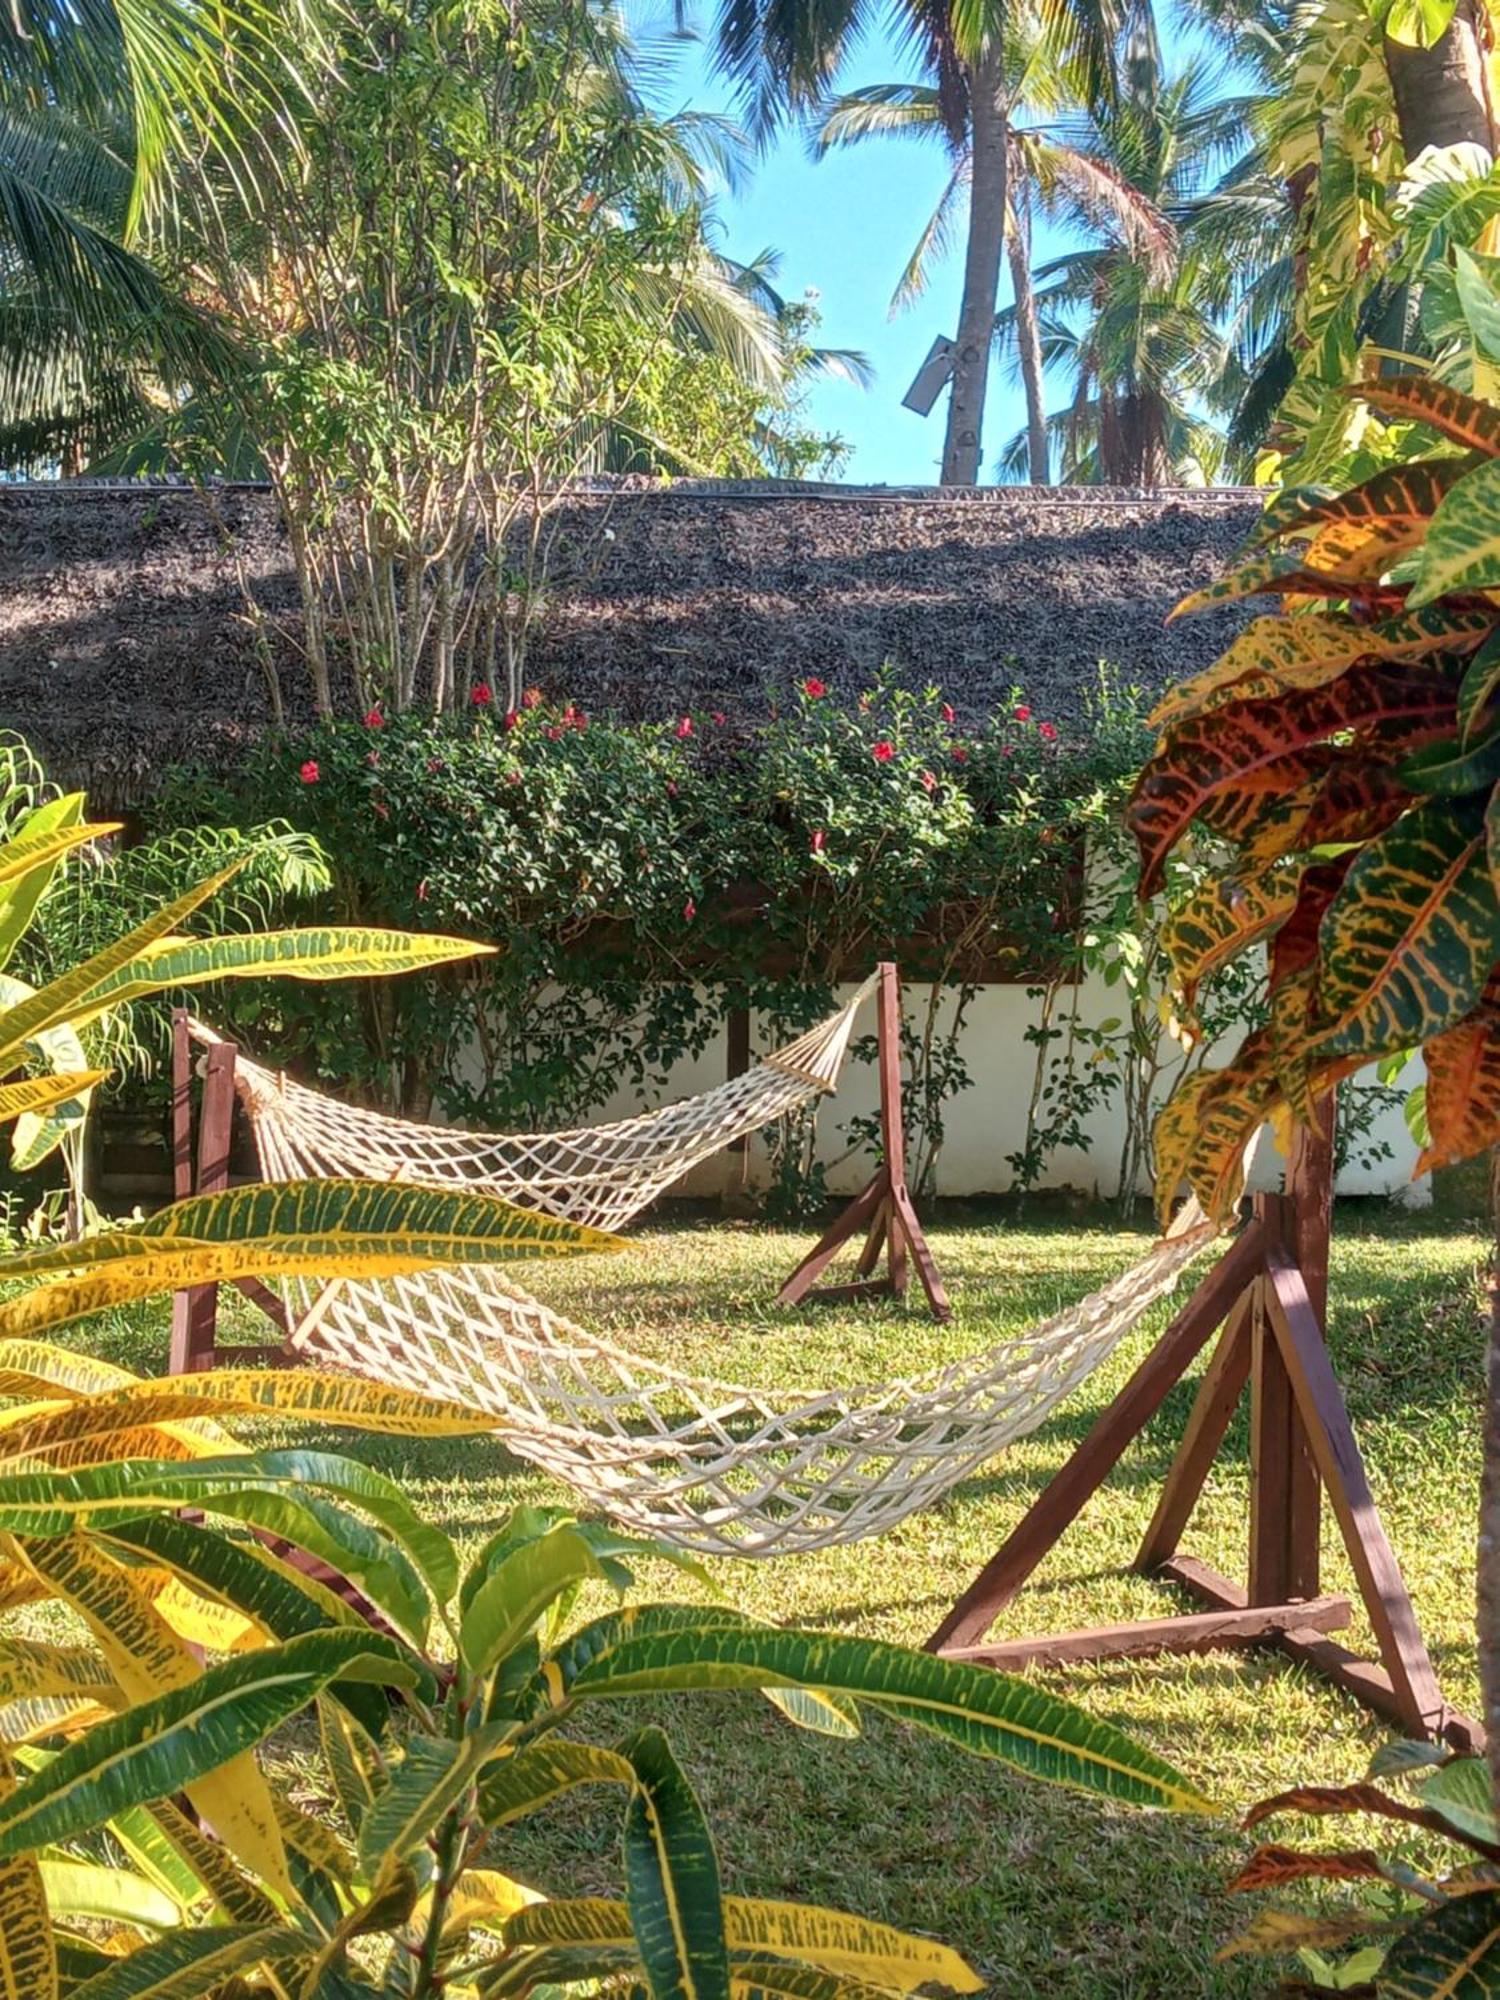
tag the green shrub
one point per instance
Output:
(659, 873)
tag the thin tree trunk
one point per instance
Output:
(1028, 346)
(1440, 92)
(986, 247)
(1487, 1618)
(1442, 96)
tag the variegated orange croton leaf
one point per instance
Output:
(1347, 751)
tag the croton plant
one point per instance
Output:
(1348, 756)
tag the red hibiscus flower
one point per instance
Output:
(532, 698)
(819, 840)
(1023, 713)
(948, 716)
(720, 718)
(689, 910)
(929, 782)
(510, 718)
(960, 754)
(814, 689)
(309, 773)
(481, 694)
(434, 765)
(1047, 731)
(684, 729)
(374, 719)
(883, 751)
(553, 732)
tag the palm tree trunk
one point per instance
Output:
(1440, 92)
(986, 247)
(1028, 344)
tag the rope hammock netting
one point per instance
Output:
(714, 1467)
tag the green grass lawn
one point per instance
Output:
(1044, 1891)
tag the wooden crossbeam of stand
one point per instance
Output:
(882, 1210)
(1269, 1294)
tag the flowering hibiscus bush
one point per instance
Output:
(643, 877)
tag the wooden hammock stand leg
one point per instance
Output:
(195, 1312)
(882, 1209)
(1269, 1292)
(204, 1169)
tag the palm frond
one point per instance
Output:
(783, 56)
(935, 241)
(1104, 199)
(878, 111)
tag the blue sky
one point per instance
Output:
(845, 226)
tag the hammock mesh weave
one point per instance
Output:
(711, 1466)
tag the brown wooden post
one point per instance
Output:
(182, 1172)
(182, 1106)
(737, 1061)
(1309, 1194)
(195, 1312)
(1331, 1437)
(1273, 1417)
(1213, 1410)
(882, 1211)
(1306, 1230)
(892, 1121)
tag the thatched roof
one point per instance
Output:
(124, 642)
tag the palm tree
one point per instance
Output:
(100, 100)
(1142, 340)
(1440, 92)
(1041, 165)
(786, 55)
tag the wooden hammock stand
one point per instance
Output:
(883, 1208)
(1269, 1292)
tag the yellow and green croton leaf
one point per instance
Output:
(1460, 418)
(1224, 918)
(1251, 764)
(1202, 1133)
(1278, 655)
(1409, 941)
(1405, 496)
(1463, 1089)
(1461, 551)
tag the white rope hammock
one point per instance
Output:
(711, 1466)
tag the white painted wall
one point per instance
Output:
(988, 1121)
